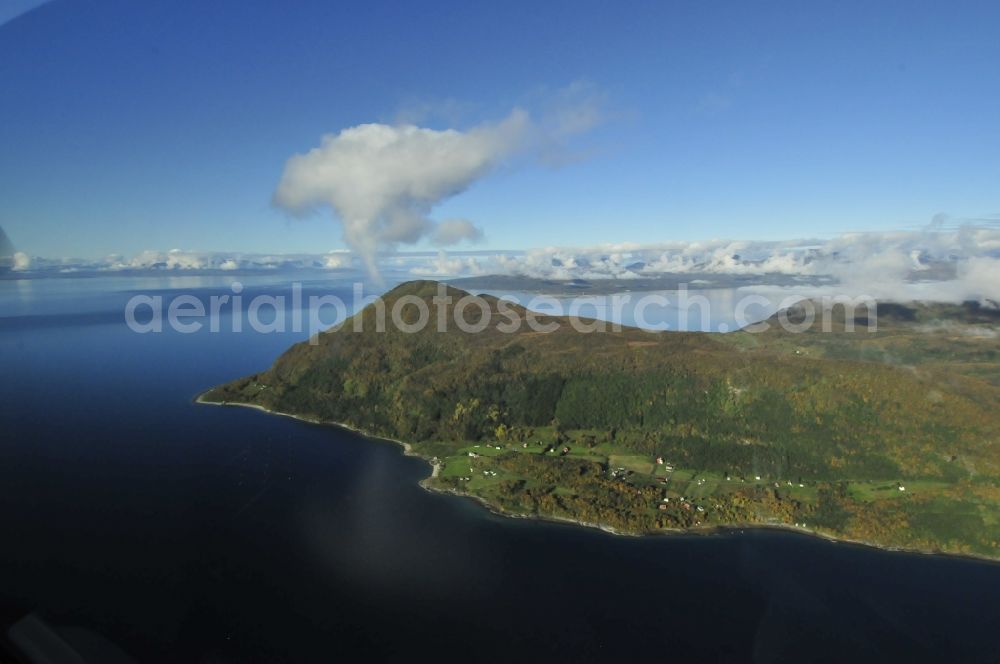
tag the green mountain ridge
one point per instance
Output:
(890, 437)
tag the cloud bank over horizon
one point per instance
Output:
(936, 264)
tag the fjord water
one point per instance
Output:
(196, 533)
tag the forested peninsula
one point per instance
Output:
(889, 437)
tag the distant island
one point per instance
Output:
(890, 438)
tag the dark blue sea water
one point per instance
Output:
(190, 533)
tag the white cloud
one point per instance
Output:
(981, 277)
(453, 231)
(382, 181)
(442, 266)
(337, 260)
(21, 261)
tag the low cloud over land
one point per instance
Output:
(935, 264)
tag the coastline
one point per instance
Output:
(407, 447)
(499, 511)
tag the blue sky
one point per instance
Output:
(128, 126)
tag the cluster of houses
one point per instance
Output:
(683, 502)
(476, 455)
(486, 473)
(669, 467)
